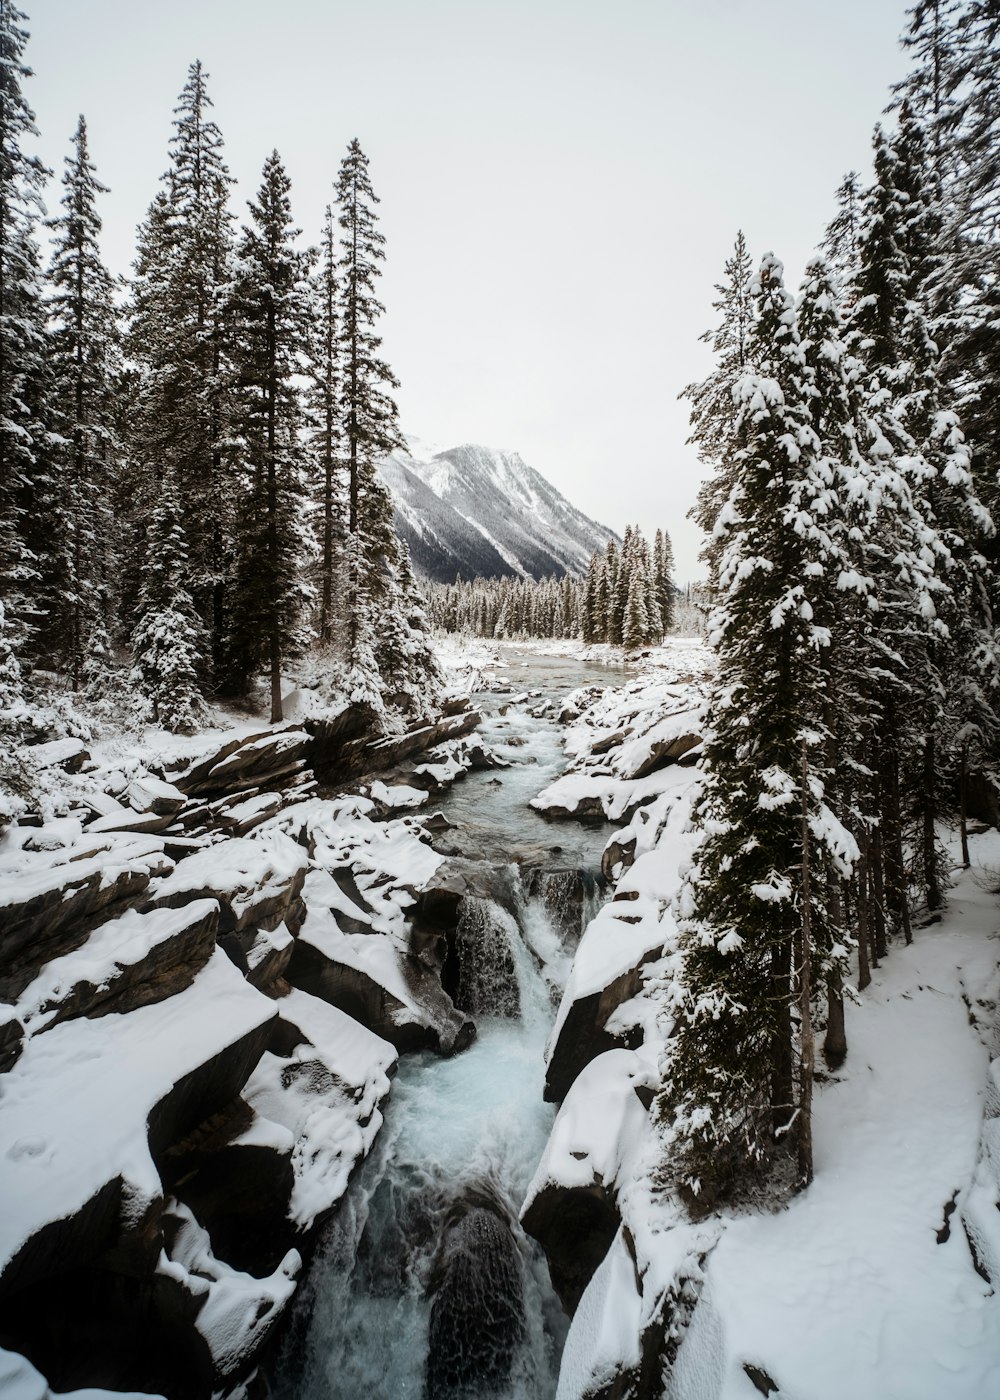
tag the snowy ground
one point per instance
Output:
(851, 1291)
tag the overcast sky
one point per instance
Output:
(561, 182)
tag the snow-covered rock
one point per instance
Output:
(256, 880)
(327, 1091)
(90, 1103)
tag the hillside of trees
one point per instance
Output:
(188, 493)
(853, 437)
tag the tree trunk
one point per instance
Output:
(835, 1040)
(877, 888)
(963, 816)
(807, 1045)
(863, 906)
(929, 805)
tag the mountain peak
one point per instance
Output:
(472, 509)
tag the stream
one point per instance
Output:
(423, 1286)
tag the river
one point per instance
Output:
(424, 1255)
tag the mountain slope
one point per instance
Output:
(475, 510)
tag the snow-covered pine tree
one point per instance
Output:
(752, 924)
(714, 412)
(168, 642)
(28, 508)
(323, 400)
(178, 339)
(270, 313)
(369, 417)
(636, 625)
(86, 366)
(841, 242)
(930, 88)
(898, 277)
(663, 573)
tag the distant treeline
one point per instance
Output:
(627, 598)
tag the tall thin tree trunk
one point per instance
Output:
(931, 881)
(862, 904)
(835, 1040)
(963, 797)
(877, 888)
(807, 1044)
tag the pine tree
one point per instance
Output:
(663, 570)
(841, 243)
(752, 911)
(636, 623)
(86, 368)
(27, 505)
(324, 403)
(168, 640)
(368, 414)
(178, 338)
(713, 408)
(270, 312)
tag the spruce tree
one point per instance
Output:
(713, 407)
(86, 366)
(752, 911)
(168, 640)
(28, 510)
(369, 418)
(178, 338)
(323, 363)
(841, 243)
(270, 310)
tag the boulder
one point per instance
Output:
(128, 962)
(367, 976)
(477, 1315)
(257, 881)
(269, 955)
(618, 854)
(11, 1037)
(49, 909)
(68, 754)
(253, 760)
(150, 794)
(607, 972)
(234, 1171)
(155, 1074)
(323, 1081)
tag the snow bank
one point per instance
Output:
(102, 1079)
(327, 1094)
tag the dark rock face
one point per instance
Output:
(430, 1023)
(582, 1036)
(350, 745)
(59, 907)
(11, 1038)
(575, 1228)
(238, 1191)
(477, 1317)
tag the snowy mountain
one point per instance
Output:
(474, 510)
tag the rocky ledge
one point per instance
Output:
(207, 973)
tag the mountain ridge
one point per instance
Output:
(470, 510)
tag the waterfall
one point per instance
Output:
(424, 1286)
(485, 939)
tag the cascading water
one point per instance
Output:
(486, 939)
(424, 1284)
(424, 1287)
